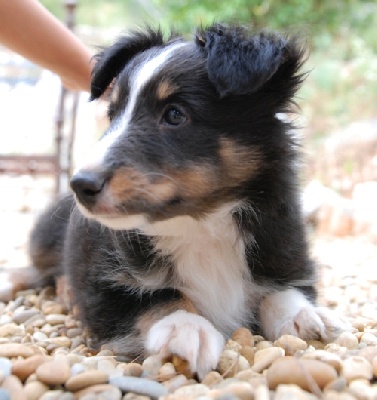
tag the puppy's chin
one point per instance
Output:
(116, 222)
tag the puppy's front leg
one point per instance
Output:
(186, 334)
(290, 312)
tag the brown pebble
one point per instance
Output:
(329, 358)
(35, 390)
(23, 368)
(301, 372)
(85, 379)
(14, 386)
(316, 344)
(10, 350)
(181, 366)
(264, 358)
(263, 344)
(357, 367)
(248, 352)
(54, 372)
(133, 369)
(212, 378)
(291, 344)
(95, 389)
(244, 337)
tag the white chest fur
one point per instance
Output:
(210, 265)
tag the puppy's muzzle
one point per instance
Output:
(87, 186)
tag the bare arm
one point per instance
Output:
(27, 28)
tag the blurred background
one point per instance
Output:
(41, 127)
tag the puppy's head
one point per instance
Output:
(192, 123)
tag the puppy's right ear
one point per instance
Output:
(111, 61)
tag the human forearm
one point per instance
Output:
(29, 29)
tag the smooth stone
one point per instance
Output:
(357, 367)
(14, 386)
(292, 392)
(290, 370)
(329, 358)
(347, 339)
(244, 337)
(85, 379)
(11, 329)
(291, 344)
(35, 390)
(24, 368)
(265, 357)
(5, 366)
(191, 391)
(107, 392)
(4, 394)
(56, 319)
(10, 350)
(21, 316)
(133, 369)
(139, 385)
(55, 372)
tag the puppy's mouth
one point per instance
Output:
(128, 198)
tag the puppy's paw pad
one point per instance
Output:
(189, 336)
(318, 323)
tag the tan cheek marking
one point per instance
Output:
(127, 183)
(241, 162)
(196, 181)
(165, 89)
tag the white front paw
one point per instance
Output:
(318, 323)
(189, 336)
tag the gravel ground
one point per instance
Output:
(44, 353)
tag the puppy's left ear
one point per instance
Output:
(241, 63)
(111, 61)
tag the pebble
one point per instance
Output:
(139, 385)
(369, 339)
(4, 394)
(212, 378)
(21, 315)
(133, 369)
(265, 357)
(290, 370)
(56, 319)
(329, 358)
(152, 365)
(14, 386)
(231, 362)
(35, 390)
(54, 372)
(357, 367)
(191, 391)
(11, 329)
(23, 368)
(348, 340)
(15, 350)
(176, 382)
(85, 379)
(5, 366)
(291, 344)
(292, 392)
(244, 337)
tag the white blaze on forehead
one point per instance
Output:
(139, 79)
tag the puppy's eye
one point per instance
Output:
(173, 116)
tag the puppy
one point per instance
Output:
(185, 222)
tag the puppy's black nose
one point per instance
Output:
(87, 185)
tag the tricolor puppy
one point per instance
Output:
(188, 222)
